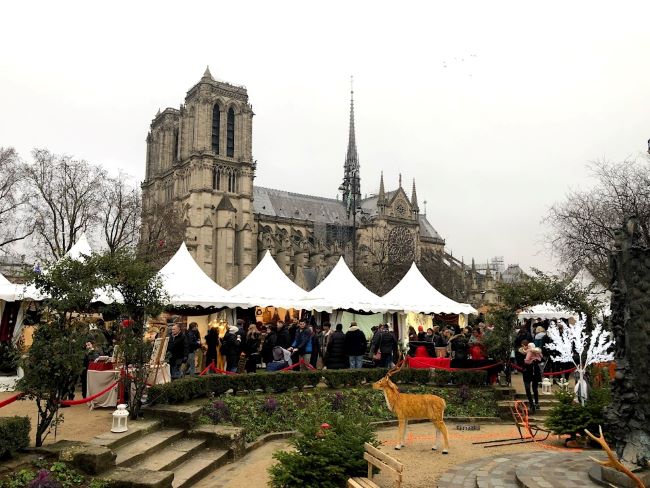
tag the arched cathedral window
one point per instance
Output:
(216, 126)
(230, 134)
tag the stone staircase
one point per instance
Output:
(510, 395)
(539, 469)
(162, 456)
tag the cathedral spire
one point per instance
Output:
(207, 76)
(351, 186)
(414, 199)
(381, 198)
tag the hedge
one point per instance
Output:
(14, 434)
(186, 389)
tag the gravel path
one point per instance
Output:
(79, 423)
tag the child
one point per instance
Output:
(533, 353)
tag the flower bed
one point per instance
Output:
(261, 414)
(46, 475)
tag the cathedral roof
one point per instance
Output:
(285, 204)
(426, 229)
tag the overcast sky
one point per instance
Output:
(494, 107)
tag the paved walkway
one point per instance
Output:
(250, 471)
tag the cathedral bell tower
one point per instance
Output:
(201, 156)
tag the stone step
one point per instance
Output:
(197, 466)
(463, 475)
(136, 430)
(565, 469)
(499, 472)
(135, 451)
(171, 456)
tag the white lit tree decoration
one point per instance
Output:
(570, 345)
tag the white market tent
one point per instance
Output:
(546, 311)
(80, 249)
(188, 285)
(341, 290)
(415, 294)
(267, 286)
(7, 289)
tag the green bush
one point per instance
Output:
(572, 418)
(14, 434)
(325, 455)
(186, 389)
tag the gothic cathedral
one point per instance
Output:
(199, 159)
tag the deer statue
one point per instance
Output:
(413, 406)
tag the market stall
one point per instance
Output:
(267, 286)
(414, 294)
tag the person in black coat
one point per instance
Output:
(385, 343)
(231, 348)
(270, 341)
(211, 342)
(177, 351)
(284, 339)
(335, 357)
(355, 345)
(251, 348)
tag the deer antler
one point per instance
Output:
(613, 460)
(395, 369)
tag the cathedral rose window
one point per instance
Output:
(401, 245)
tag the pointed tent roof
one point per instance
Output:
(80, 248)
(415, 294)
(4, 281)
(267, 286)
(188, 285)
(341, 290)
(7, 289)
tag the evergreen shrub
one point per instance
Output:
(14, 434)
(328, 451)
(186, 389)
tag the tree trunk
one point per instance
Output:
(629, 411)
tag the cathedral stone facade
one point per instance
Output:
(199, 159)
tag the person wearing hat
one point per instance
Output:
(532, 373)
(230, 348)
(421, 334)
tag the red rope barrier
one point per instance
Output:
(90, 398)
(11, 399)
(554, 373)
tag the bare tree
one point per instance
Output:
(161, 233)
(14, 226)
(582, 226)
(67, 194)
(380, 271)
(120, 213)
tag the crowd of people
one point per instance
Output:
(449, 340)
(245, 347)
